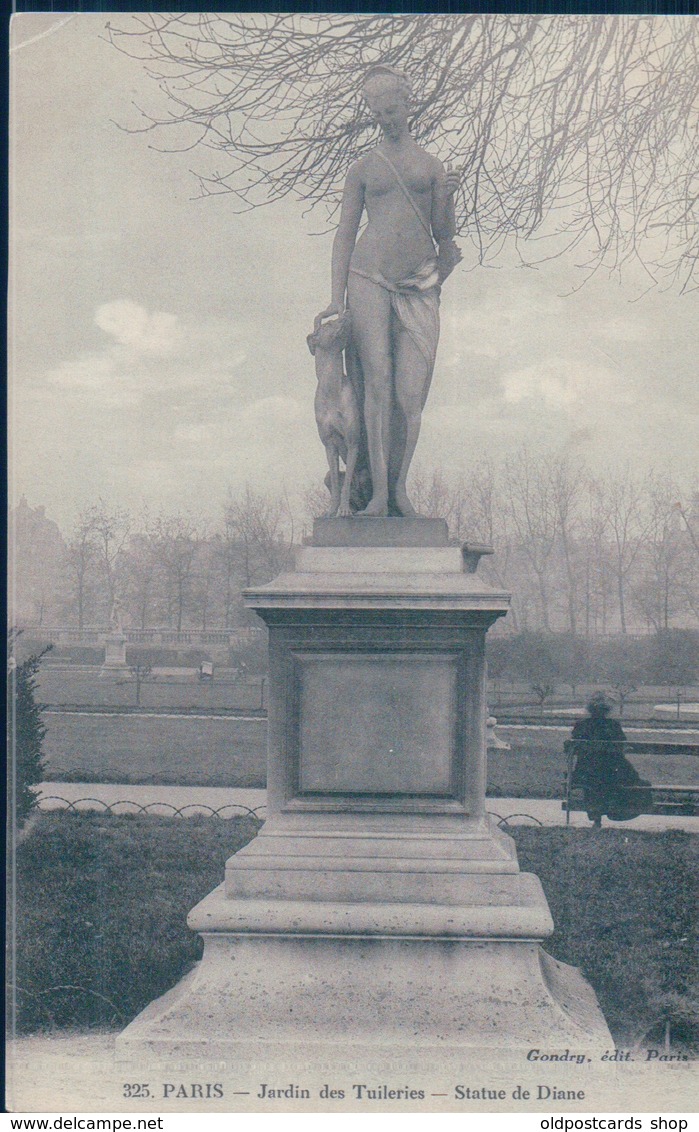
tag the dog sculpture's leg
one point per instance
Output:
(334, 465)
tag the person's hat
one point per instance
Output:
(599, 704)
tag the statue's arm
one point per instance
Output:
(443, 217)
(346, 235)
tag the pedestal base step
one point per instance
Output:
(276, 996)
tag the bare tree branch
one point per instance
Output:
(579, 129)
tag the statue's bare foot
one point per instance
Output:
(344, 509)
(403, 504)
(376, 506)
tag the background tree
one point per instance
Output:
(628, 525)
(110, 529)
(203, 585)
(532, 507)
(566, 484)
(264, 529)
(139, 569)
(580, 129)
(582, 555)
(142, 674)
(673, 660)
(595, 551)
(622, 663)
(657, 592)
(81, 558)
(175, 542)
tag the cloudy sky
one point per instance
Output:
(158, 340)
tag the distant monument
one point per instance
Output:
(114, 644)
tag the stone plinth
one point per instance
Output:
(114, 655)
(378, 906)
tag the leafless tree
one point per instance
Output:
(628, 525)
(110, 526)
(263, 526)
(203, 589)
(579, 129)
(226, 554)
(82, 551)
(595, 539)
(532, 506)
(566, 484)
(690, 518)
(486, 520)
(437, 495)
(665, 567)
(141, 674)
(175, 540)
(139, 570)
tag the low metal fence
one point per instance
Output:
(230, 810)
(164, 809)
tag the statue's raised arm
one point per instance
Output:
(389, 281)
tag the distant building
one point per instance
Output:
(36, 567)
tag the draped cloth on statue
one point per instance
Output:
(415, 304)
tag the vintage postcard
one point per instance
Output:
(354, 564)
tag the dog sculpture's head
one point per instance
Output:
(332, 335)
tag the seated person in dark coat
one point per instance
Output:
(600, 767)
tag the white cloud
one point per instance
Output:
(153, 354)
(132, 325)
(98, 374)
(567, 383)
(91, 371)
(508, 318)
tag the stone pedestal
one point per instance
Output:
(114, 655)
(379, 907)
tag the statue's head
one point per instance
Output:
(387, 92)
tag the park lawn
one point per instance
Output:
(538, 772)
(102, 902)
(63, 685)
(184, 750)
(200, 750)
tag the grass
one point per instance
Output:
(198, 750)
(102, 902)
(623, 906)
(60, 685)
(538, 771)
(185, 750)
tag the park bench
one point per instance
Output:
(668, 799)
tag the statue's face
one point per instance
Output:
(389, 109)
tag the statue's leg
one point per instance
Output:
(350, 463)
(412, 379)
(370, 307)
(334, 466)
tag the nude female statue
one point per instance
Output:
(390, 280)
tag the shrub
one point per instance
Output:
(26, 733)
